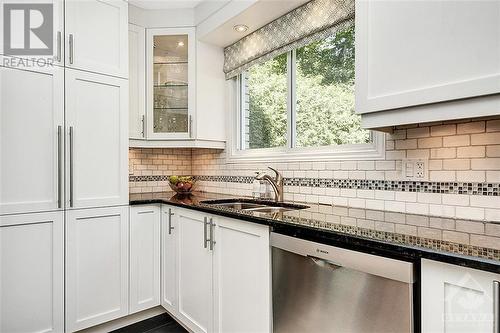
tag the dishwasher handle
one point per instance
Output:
(324, 262)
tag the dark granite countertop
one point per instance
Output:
(353, 228)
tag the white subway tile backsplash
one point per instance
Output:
(485, 241)
(471, 176)
(493, 125)
(469, 213)
(455, 237)
(417, 208)
(434, 142)
(485, 164)
(443, 130)
(419, 132)
(485, 139)
(471, 151)
(471, 127)
(464, 152)
(456, 141)
(485, 201)
(406, 196)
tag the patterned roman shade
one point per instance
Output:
(310, 22)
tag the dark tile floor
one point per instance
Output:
(158, 324)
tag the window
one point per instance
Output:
(301, 103)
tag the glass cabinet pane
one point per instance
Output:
(170, 80)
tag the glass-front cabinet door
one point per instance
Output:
(170, 61)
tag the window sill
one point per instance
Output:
(371, 151)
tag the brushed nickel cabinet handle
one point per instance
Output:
(212, 241)
(205, 239)
(58, 56)
(496, 306)
(71, 46)
(190, 126)
(143, 126)
(71, 156)
(59, 166)
(170, 228)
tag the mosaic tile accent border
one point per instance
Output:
(490, 189)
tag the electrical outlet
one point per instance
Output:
(414, 169)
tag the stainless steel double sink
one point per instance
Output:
(260, 206)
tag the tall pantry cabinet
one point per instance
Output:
(63, 175)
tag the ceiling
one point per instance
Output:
(257, 15)
(165, 4)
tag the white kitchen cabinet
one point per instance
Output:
(412, 54)
(137, 81)
(184, 90)
(31, 139)
(206, 259)
(457, 299)
(32, 273)
(144, 257)
(194, 271)
(97, 137)
(53, 47)
(97, 257)
(242, 277)
(169, 227)
(170, 82)
(96, 36)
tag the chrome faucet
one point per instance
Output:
(276, 183)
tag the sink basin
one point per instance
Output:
(237, 205)
(260, 206)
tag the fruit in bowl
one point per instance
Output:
(181, 184)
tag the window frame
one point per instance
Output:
(374, 150)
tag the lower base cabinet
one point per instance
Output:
(194, 271)
(215, 272)
(97, 266)
(242, 276)
(169, 228)
(144, 257)
(457, 299)
(32, 273)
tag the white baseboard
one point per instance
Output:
(125, 321)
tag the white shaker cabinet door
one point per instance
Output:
(97, 36)
(242, 277)
(96, 266)
(31, 139)
(45, 47)
(32, 273)
(169, 280)
(144, 257)
(412, 53)
(137, 81)
(97, 140)
(194, 271)
(456, 299)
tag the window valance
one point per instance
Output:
(312, 21)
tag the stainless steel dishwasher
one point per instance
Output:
(319, 288)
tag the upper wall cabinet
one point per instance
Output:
(97, 39)
(168, 80)
(137, 81)
(420, 61)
